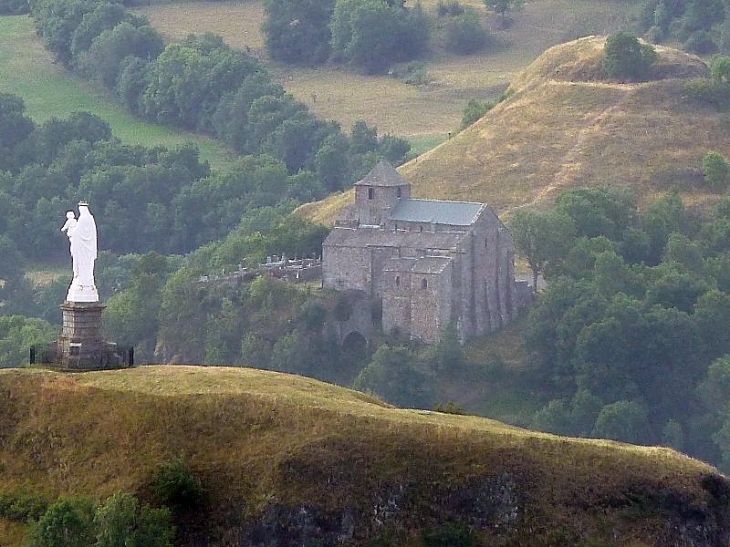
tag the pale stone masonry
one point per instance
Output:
(429, 262)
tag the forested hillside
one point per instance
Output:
(202, 84)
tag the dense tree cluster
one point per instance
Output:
(151, 199)
(62, 161)
(298, 31)
(263, 324)
(201, 84)
(371, 34)
(702, 25)
(632, 322)
(465, 33)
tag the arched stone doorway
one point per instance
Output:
(355, 344)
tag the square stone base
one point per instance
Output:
(81, 345)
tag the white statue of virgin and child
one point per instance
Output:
(82, 238)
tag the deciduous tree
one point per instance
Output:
(542, 237)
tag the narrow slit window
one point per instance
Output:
(424, 283)
(371, 193)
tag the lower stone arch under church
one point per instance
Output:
(355, 343)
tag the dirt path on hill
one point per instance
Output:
(571, 161)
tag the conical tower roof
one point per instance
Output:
(383, 174)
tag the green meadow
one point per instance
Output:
(49, 90)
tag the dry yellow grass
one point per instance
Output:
(394, 107)
(41, 275)
(255, 436)
(239, 22)
(11, 533)
(565, 128)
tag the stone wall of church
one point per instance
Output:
(373, 205)
(476, 289)
(346, 268)
(396, 291)
(430, 305)
(418, 304)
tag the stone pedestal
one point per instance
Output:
(81, 346)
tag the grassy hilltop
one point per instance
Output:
(270, 448)
(566, 127)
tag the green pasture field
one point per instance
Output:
(49, 90)
(425, 113)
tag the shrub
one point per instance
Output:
(176, 486)
(449, 407)
(465, 34)
(313, 315)
(120, 521)
(700, 42)
(710, 92)
(625, 421)
(21, 506)
(724, 42)
(626, 58)
(502, 7)
(67, 523)
(416, 73)
(716, 171)
(476, 109)
(449, 7)
(654, 35)
(473, 111)
(721, 70)
(673, 435)
(393, 375)
(449, 535)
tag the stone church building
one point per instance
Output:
(429, 262)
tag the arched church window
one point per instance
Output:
(397, 281)
(371, 193)
(424, 283)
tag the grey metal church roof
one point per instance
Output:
(383, 174)
(456, 213)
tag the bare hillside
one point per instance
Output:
(564, 127)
